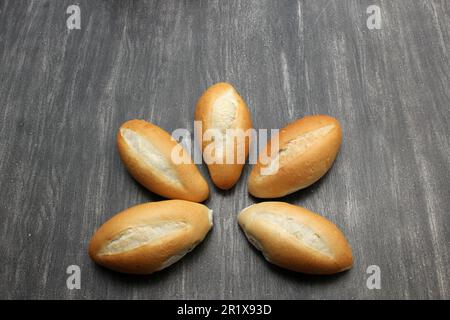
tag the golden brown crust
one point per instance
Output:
(151, 257)
(224, 175)
(291, 250)
(318, 150)
(189, 183)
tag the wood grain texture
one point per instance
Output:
(63, 95)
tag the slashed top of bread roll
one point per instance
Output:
(143, 148)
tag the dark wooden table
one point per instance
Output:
(64, 93)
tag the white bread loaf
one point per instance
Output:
(146, 151)
(151, 236)
(306, 150)
(221, 108)
(295, 238)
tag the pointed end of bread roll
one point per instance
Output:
(224, 176)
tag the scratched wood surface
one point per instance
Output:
(63, 95)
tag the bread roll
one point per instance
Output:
(295, 238)
(221, 108)
(146, 150)
(151, 236)
(306, 150)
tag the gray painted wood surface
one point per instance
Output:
(63, 95)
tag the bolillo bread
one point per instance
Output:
(306, 150)
(295, 238)
(221, 108)
(151, 236)
(146, 151)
